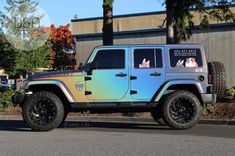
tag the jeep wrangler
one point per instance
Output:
(173, 82)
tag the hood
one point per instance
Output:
(54, 74)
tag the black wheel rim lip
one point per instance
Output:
(182, 112)
(42, 111)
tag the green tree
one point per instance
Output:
(16, 62)
(28, 62)
(179, 20)
(108, 22)
(20, 19)
(7, 57)
(18, 54)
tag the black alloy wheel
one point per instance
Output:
(181, 109)
(43, 111)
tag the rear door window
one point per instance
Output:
(147, 58)
(185, 58)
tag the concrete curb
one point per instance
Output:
(124, 119)
(217, 122)
(147, 119)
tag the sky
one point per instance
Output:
(60, 12)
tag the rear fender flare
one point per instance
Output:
(157, 96)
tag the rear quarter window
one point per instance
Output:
(185, 58)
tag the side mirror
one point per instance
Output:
(89, 67)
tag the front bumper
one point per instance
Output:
(18, 99)
(209, 98)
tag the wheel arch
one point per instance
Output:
(189, 85)
(57, 88)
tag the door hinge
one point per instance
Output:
(133, 92)
(88, 78)
(133, 77)
(88, 93)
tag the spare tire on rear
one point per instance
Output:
(218, 78)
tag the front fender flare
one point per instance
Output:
(59, 84)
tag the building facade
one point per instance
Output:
(218, 40)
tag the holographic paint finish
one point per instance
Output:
(60, 84)
(105, 86)
(146, 83)
(69, 83)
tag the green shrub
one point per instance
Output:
(208, 109)
(230, 91)
(5, 99)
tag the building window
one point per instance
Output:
(147, 58)
(190, 58)
(110, 59)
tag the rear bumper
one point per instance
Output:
(209, 98)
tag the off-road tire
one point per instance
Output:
(65, 117)
(157, 114)
(42, 107)
(217, 71)
(177, 102)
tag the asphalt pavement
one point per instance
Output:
(121, 138)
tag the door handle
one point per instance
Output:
(155, 74)
(121, 75)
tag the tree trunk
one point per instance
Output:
(170, 39)
(107, 24)
(177, 38)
